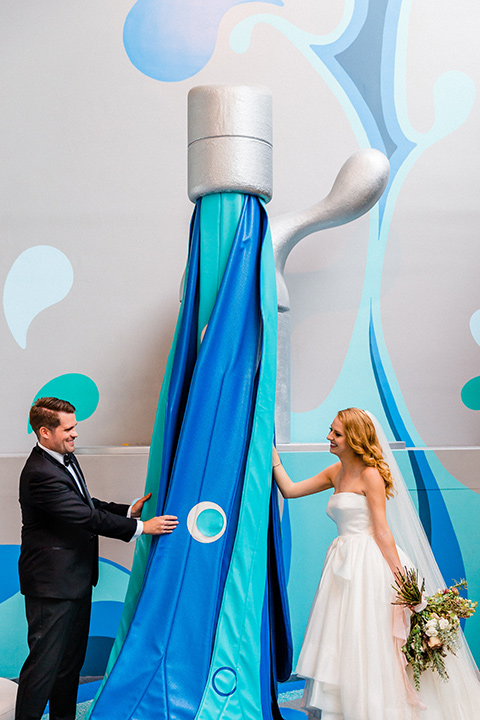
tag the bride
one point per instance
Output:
(351, 654)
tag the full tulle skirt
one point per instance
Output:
(351, 655)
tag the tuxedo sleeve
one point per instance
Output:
(56, 497)
(115, 508)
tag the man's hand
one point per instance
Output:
(138, 506)
(161, 525)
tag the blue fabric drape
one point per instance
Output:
(219, 403)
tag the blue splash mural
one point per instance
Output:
(108, 599)
(363, 62)
(173, 41)
(39, 278)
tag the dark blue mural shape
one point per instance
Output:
(10, 584)
(431, 505)
(362, 60)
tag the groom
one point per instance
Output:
(59, 560)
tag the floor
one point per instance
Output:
(289, 699)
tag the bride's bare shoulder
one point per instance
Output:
(372, 480)
(332, 472)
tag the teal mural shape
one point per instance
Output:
(39, 278)
(471, 394)
(78, 389)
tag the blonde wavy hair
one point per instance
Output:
(362, 438)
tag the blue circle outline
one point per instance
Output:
(219, 692)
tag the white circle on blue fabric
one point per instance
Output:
(206, 522)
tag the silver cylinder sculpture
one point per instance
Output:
(230, 140)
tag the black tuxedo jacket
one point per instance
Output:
(60, 528)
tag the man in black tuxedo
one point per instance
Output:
(59, 560)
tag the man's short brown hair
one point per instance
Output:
(44, 413)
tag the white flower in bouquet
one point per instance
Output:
(431, 628)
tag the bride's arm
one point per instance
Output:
(290, 489)
(374, 489)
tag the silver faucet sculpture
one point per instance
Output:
(357, 187)
(230, 149)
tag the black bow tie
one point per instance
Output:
(67, 459)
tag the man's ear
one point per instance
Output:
(44, 432)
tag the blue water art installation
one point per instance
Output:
(205, 631)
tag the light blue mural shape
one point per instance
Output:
(78, 389)
(363, 62)
(39, 278)
(475, 326)
(171, 41)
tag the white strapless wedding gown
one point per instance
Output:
(349, 656)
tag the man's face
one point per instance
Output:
(62, 438)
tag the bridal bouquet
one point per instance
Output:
(434, 622)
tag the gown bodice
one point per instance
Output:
(350, 513)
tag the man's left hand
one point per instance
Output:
(138, 506)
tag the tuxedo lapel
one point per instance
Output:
(85, 495)
(51, 459)
(81, 478)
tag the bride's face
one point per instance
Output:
(336, 437)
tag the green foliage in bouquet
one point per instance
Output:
(434, 622)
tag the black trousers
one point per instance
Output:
(57, 638)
